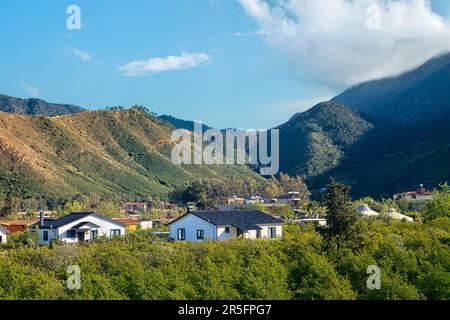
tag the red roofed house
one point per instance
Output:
(419, 195)
(15, 226)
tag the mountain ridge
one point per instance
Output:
(34, 106)
(106, 152)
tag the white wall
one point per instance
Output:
(191, 224)
(252, 234)
(145, 225)
(3, 234)
(222, 236)
(52, 234)
(105, 227)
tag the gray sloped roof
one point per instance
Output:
(244, 220)
(75, 216)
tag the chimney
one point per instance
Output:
(41, 218)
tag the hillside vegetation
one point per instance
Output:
(106, 152)
(414, 260)
(35, 107)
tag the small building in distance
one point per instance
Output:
(420, 194)
(291, 198)
(220, 226)
(130, 223)
(393, 214)
(232, 200)
(79, 227)
(365, 211)
(3, 234)
(135, 208)
(254, 200)
(133, 224)
(15, 226)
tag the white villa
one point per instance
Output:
(79, 227)
(225, 225)
(393, 214)
(3, 234)
(364, 210)
(420, 194)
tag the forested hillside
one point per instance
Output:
(106, 152)
(35, 106)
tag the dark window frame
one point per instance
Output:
(200, 234)
(115, 232)
(181, 234)
(272, 232)
(227, 230)
(94, 234)
(72, 234)
(45, 235)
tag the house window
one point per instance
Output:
(181, 234)
(227, 229)
(272, 232)
(94, 234)
(71, 233)
(258, 234)
(200, 234)
(45, 235)
(115, 232)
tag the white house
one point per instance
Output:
(219, 226)
(364, 210)
(3, 234)
(393, 214)
(79, 227)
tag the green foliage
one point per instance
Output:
(414, 260)
(341, 214)
(208, 191)
(285, 211)
(440, 206)
(109, 209)
(69, 207)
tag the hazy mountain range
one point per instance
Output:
(380, 137)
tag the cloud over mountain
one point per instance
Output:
(344, 42)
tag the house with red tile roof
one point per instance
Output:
(420, 194)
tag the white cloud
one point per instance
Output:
(162, 64)
(85, 56)
(330, 40)
(31, 90)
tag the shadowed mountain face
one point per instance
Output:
(181, 124)
(313, 142)
(35, 107)
(381, 137)
(421, 95)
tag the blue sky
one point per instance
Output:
(248, 80)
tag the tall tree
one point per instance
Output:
(341, 215)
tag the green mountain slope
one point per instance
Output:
(106, 152)
(315, 141)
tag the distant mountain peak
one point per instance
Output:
(34, 106)
(422, 94)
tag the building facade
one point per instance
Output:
(221, 226)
